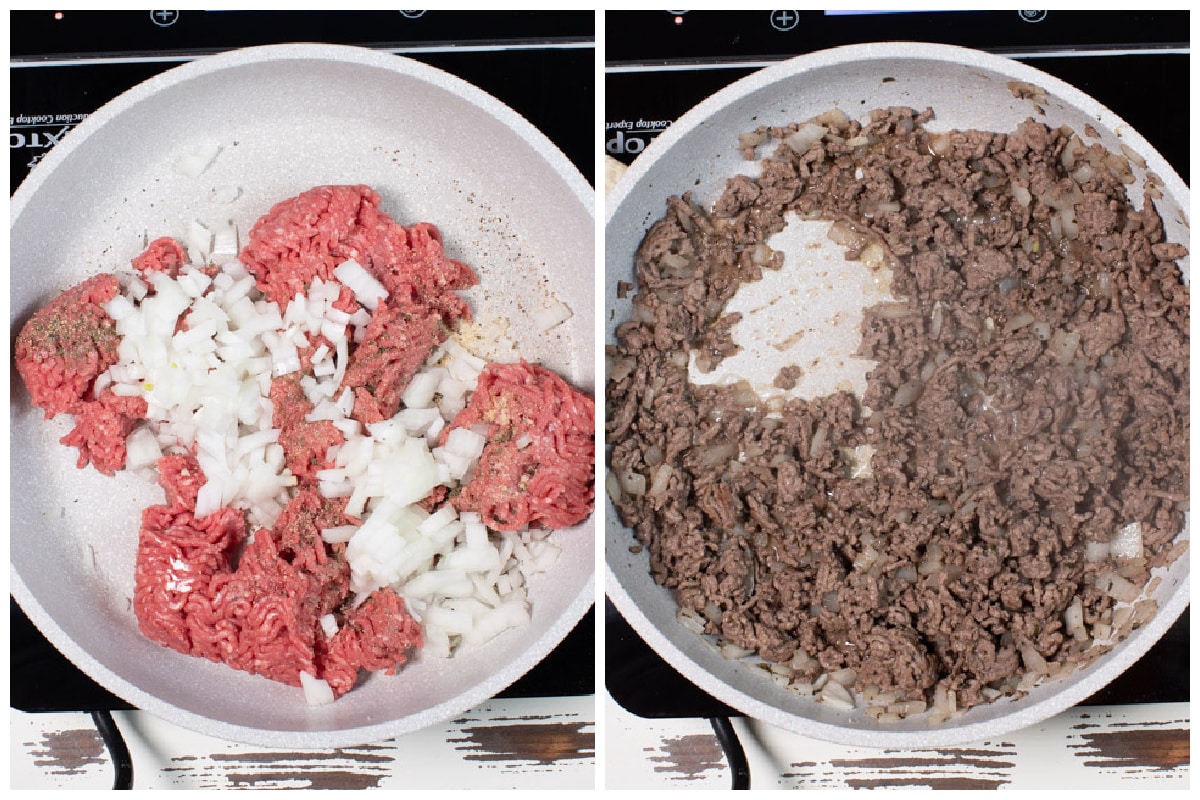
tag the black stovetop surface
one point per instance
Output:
(660, 64)
(540, 63)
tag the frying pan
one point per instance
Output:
(286, 118)
(698, 153)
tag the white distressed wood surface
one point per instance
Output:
(1102, 747)
(534, 743)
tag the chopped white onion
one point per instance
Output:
(805, 136)
(196, 160)
(1127, 542)
(367, 289)
(317, 692)
(224, 242)
(553, 314)
(141, 449)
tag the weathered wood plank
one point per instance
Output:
(525, 743)
(1137, 746)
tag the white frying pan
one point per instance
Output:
(698, 153)
(287, 118)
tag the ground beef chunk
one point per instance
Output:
(1030, 398)
(378, 635)
(297, 532)
(537, 468)
(164, 254)
(263, 614)
(304, 443)
(397, 343)
(178, 557)
(296, 240)
(67, 344)
(60, 352)
(181, 479)
(255, 618)
(788, 377)
(309, 235)
(101, 427)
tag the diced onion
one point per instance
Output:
(632, 482)
(836, 695)
(367, 289)
(1127, 543)
(660, 480)
(1073, 620)
(341, 533)
(1117, 587)
(805, 136)
(555, 313)
(907, 393)
(317, 692)
(141, 449)
(225, 194)
(196, 160)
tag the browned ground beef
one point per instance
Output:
(1030, 397)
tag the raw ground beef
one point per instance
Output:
(377, 635)
(304, 443)
(254, 599)
(59, 354)
(261, 615)
(537, 467)
(101, 427)
(309, 235)
(397, 343)
(67, 344)
(164, 254)
(951, 530)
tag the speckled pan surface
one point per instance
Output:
(966, 89)
(287, 118)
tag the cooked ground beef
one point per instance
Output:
(1030, 399)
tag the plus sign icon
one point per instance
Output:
(164, 19)
(784, 20)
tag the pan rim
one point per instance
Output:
(1127, 651)
(564, 170)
